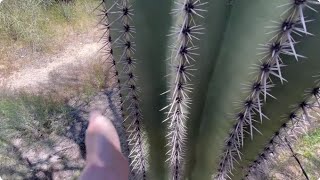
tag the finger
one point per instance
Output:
(100, 125)
(104, 157)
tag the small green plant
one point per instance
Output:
(230, 72)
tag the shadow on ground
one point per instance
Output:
(59, 154)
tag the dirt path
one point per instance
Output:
(78, 51)
(64, 157)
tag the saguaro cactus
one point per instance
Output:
(204, 85)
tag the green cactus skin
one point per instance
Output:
(234, 66)
(219, 52)
(214, 24)
(151, 52)
(182, 57)
(119, 16)
(298, 75)
(107, 51)
(148, 68)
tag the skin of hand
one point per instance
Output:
(104, 160)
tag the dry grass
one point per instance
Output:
(83, 80)
(33, 137)
(35, 129)
(31, 115)
(37, 24)
(40, 26)
(41, 108)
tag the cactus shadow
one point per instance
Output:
(22, 167)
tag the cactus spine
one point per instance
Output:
(181, 61)
(217, 105)
(281, 43)
(124, 43)
(296, 106)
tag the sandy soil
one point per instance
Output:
(78, 50)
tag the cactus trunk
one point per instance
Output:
(198, 79)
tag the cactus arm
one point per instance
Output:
(237, 54)
(300, 77)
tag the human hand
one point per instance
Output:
(104, 158)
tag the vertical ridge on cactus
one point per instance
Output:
(299, 119)
(108, 53)
(281, 43)
(181, 59)
(128, 42)
(136, 138)
(227, 63)
(130, 102)
(280, 111)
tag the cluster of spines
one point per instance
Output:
(107, 51)
(124, 65)
(137, 138)
(271, 64)
(182, 61)
(296, 123)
